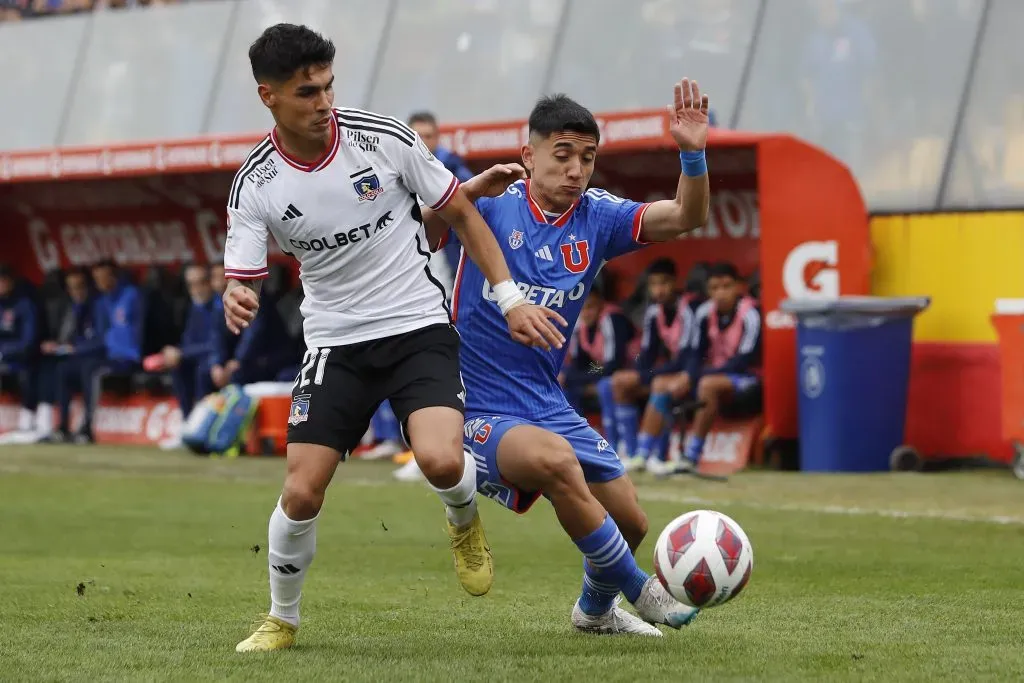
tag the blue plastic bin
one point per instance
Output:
(853, 365)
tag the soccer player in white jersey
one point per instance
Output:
(337, 189)
(526, 438)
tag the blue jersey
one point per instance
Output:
(554, 261)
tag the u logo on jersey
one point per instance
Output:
(576, 255)
(515, 240)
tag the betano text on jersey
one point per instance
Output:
(554, 260)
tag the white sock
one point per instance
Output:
(44, 418)
(26, 420)
(290, 551)
(460, 500)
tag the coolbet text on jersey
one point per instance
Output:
(554, 261)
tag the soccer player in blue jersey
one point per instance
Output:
(526, 439)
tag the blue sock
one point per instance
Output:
(606, 550)
(646, 444)
(598, 595)
(694, 449)
(611, 428)
(628, 419)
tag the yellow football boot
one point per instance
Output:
(272, 634)
(473, 563)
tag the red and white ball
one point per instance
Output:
(703, 558)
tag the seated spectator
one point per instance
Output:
(722, 362)
(77, 352)
(217, 281)
(258, 354)
(19, 327)
(668, 322)
(598, 347)
(189, 361)
(119, 319)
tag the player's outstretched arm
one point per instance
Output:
(491, 183)
(688, 124)
(528, 323)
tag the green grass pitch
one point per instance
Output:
(128, 564)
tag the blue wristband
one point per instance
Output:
(694, 163)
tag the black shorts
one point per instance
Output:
(339, 388)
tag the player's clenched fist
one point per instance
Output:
(532, 325)
(240, 307)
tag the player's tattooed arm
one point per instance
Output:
(241, 303)
(688, 124)
(491, 183)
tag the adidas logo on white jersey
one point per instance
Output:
(544, 253)
(291, 213)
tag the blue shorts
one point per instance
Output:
(483, 433)
(741, 383)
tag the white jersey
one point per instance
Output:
(352, 221)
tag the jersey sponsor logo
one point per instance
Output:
(364, 141)
(344, 237)
(368, 187)
(515, 240)
(542, 296)
(261, 175)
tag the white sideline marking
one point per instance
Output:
(666, 497)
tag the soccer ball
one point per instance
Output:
(703, 558)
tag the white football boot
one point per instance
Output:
(657, 606)
(614, 621)
(658, 467)
(385, 449)
(634, 463)
(409, 472)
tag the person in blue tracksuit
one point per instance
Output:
(425, 123)
(258, 354)
(18, 338)
(120, 316)
(76, 352)
(190, 361)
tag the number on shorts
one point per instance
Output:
(312, 357)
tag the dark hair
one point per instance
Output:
(283, 49)
(76, 272)
(6, 271)
(557, 113)
(422, 117)
(195, 264)
(104, 263)
(662, 266)
(723, 269)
